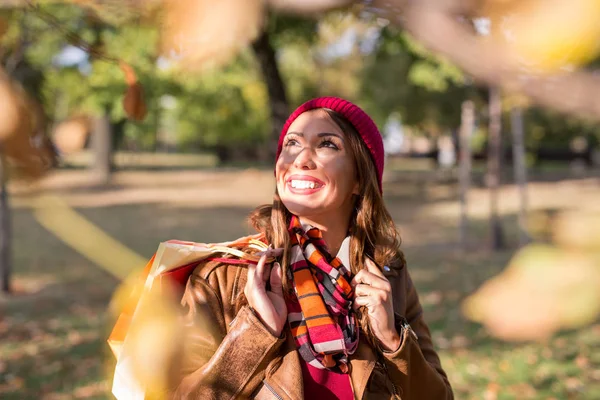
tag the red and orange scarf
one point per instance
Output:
(321, 319)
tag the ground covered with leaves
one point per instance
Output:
(53, 329)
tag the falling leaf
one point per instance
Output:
(70, 135)
(549, 35)
(3, 26)
(10, 112)
(543, 289)
(577, 230)
(133, 101)
(155, 335)
(22, 130)
(200, 33)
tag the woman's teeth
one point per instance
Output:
(303, 184)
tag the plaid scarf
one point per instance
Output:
(321, 318)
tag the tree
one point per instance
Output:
(279, 31)
(24, 148)
(494, 167)
(428, 90)
(466, 133)
(520, 169)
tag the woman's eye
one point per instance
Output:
(330, 144)
(291, 142)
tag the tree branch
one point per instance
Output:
(73, 38)
(439, 26)
(308, 6)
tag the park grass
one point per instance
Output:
(53, 329)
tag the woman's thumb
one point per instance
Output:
(276, 285)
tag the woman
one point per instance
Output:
(337, 316)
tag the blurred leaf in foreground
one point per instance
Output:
(133, 101)
(549, 35)
(201, 33)
(544, 289)
(22, 132)
(70, 136)
(156, 336)
(577, 230)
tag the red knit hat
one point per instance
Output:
(363, 124)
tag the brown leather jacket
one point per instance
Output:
(228, 353)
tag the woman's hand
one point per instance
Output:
(269, 305)
(373, 290)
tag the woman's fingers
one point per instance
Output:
(366, 290)
(363, 301)
(250, 279)
(269, 306)
(371, 288)
(276, 281)
(262, 270)
(378, 296)
(271, 252)
(373, 268)
(368, 278)
(256, 278)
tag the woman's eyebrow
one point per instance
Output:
(322, 134)
(330, 134)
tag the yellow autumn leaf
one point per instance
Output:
(202, 33)
(549, 35)
(543, 289)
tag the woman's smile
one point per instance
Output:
(304, 184)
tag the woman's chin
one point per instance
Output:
(301, 210)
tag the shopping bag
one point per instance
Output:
(171, 265)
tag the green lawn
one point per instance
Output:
(53, 329)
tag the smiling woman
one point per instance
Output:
(316, 175)
(336, 316)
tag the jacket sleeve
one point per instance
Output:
(221, 359)
(415, 368)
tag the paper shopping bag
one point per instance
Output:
(171, 265)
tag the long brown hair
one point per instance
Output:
(373, 232)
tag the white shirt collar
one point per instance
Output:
(344, 253)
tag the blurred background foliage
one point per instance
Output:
(359, 57)
(161, 87)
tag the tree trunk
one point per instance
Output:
(265, 53)
(5, 232)
(520, 171)
(466, 133)
(102, 149)
(493, 166)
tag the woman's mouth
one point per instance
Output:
(302, 185)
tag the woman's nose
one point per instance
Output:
(304, 159)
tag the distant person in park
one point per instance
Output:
(337, 315)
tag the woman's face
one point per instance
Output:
(315, 172)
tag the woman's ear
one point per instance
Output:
(356, 189)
